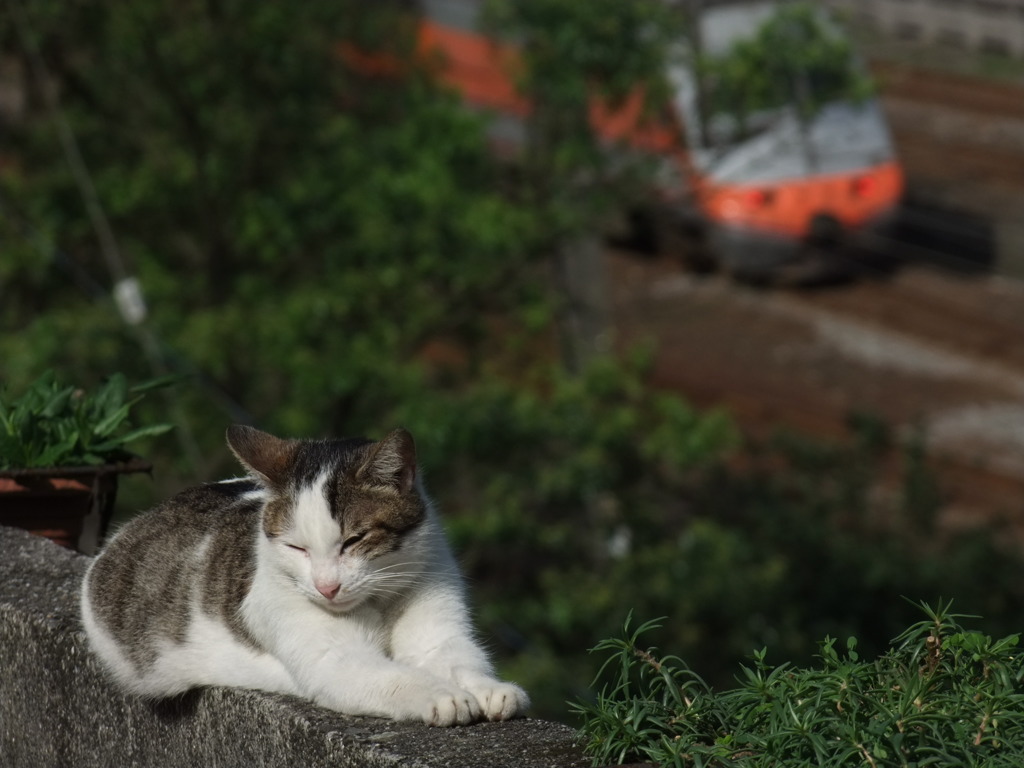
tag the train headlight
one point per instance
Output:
(754, 199)
(863, 186)
(739, 204)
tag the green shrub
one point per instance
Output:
(941, 695)
(53, 424)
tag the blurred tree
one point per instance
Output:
(793, 61)
(578, 60)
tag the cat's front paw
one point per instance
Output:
(498, 700)
(449, 706)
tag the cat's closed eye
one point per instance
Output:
(352, 540)
(297, 548)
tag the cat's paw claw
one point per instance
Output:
(501, 701)
(455, 708)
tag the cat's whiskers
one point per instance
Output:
(395, 587)
(396, 579)
(394, 566)
(399, 575)
(431, 571)
(378, 591)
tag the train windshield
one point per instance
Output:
(756, 112)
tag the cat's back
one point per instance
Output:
(192, 553)
(179, 530)
(189, 517)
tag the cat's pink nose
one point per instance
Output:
(328, 590)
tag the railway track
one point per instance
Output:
(968, 94)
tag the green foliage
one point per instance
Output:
(792, 59)
(576, 55)
(941, 695)
(56, 425)
(575, 52)
(579, 61)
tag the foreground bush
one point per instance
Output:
(941, 695)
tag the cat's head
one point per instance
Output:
(342, 518)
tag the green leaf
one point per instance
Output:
(123, 439)
(57, 403)
(112, 420)
(111, 395)
(161, 382)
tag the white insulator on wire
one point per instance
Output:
(129, 300)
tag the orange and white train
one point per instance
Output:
(762, 195)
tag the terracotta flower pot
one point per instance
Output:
(63, 503)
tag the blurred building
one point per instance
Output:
(995, 26)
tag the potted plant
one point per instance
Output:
(61, 452)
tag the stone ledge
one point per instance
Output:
(58, 709)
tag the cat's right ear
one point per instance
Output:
(267, 457)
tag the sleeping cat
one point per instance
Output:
(325, 574)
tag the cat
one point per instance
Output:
(324, 574)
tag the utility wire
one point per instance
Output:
(119, 274)
(92, 288)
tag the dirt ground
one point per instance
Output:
(923, 348)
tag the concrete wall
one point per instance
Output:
(57, 708)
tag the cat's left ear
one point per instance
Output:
(391, 463)
(267, 457)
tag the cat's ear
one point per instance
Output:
(390, 464)
(265, 456)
